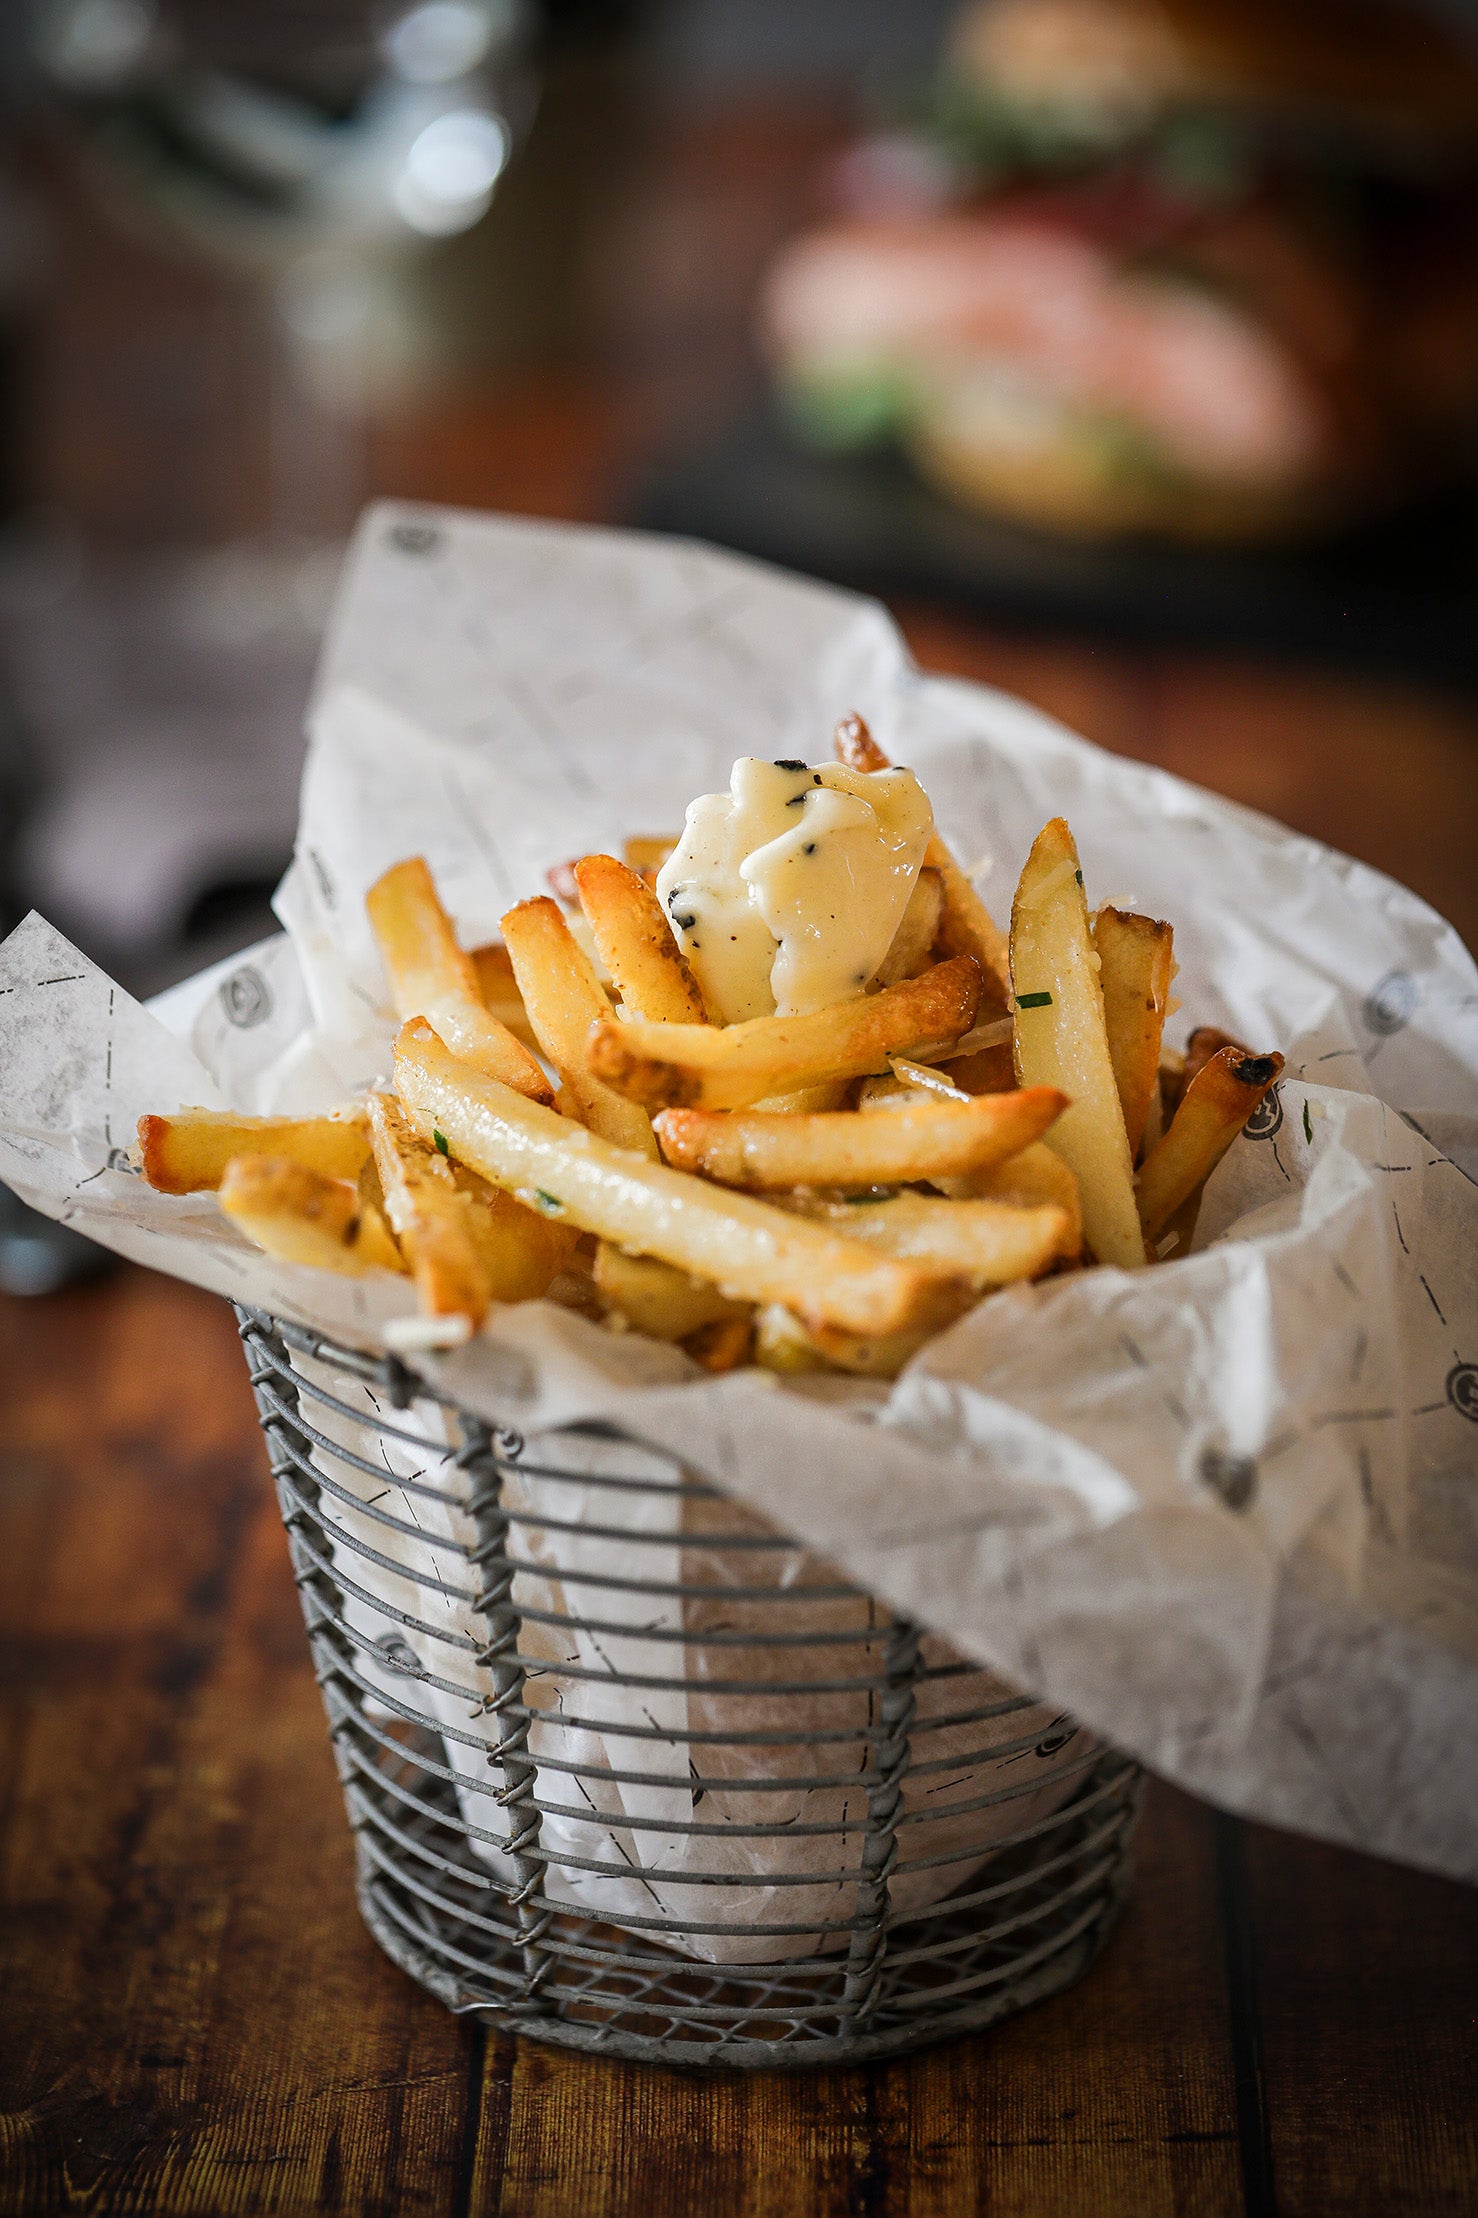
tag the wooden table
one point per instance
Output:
(193, 2018)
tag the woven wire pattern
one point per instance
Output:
(648, 1779)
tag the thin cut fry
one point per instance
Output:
(918, 929)
(731, 1066)
(499, 989)
(1033, 1179)
(658, 1299)
(751, 1251)
(636, 943)
(188, 1153)
(806, 1100)
(1172, 1079)
(300, 1216)
(990, 1243)
(784, 1343)
(1061, 1040)
(467, 1243)
(429, 1216)
(966, 926)
(722, 1345)
(650, 852)
(990, 1070)
(923, 1139)
(1136, 964)
(1207, 1040)
(1214, 1108)
(430, 976)
(564, 1000)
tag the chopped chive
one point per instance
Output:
(440, 1140)
(1079, 876)
(1034, 1001)
(1308, 1127)
(550, 1203)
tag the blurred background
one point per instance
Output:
(1128, 348)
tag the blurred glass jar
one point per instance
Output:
(317, 151)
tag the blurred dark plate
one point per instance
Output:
(1400, 597)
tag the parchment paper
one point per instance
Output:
(1225, 1511)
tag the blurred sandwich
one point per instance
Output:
(1196, 267)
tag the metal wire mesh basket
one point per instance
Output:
(630, 1771)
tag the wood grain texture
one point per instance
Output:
(192, 2018)
(1367, 2002)
(1115, 2097)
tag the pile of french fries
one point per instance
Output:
(815, 1192)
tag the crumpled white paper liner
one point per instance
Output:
(1224, 1511)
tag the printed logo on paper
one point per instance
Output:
(1233, 1478)
(246, 998)
(415, 539)
(1267, 1117)
(1390, 1006)
(1462, 1390)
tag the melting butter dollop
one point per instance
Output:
(785, 892)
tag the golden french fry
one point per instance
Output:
(1172, 1080)
(722, 1345)
(990, 1243)
(731, 1066)
(564, 1000)
(429, 1217)
(806, 1100)
(989, 1070)
(467, 1242)
(188, 1153)
(636, 943)
(918, 929)
(886, 1091)
(1215, 1106)
(853, 744)
(647, 853)
(1034, 1179)
(1207, 1040)
(1136, 964)
(499, 989)
(300, 1216)
(657, 1298)
(430, 976)
(1062, 1040)
(1154, 1122)
(751, 1251)
(924, 1138)
(784, 1343)
(371, 1193)
(560, 879)
(966, 926)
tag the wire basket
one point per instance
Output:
(630, 1771)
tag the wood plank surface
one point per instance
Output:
(1115, 2097)
(1367, 2009)
(192, 2018)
